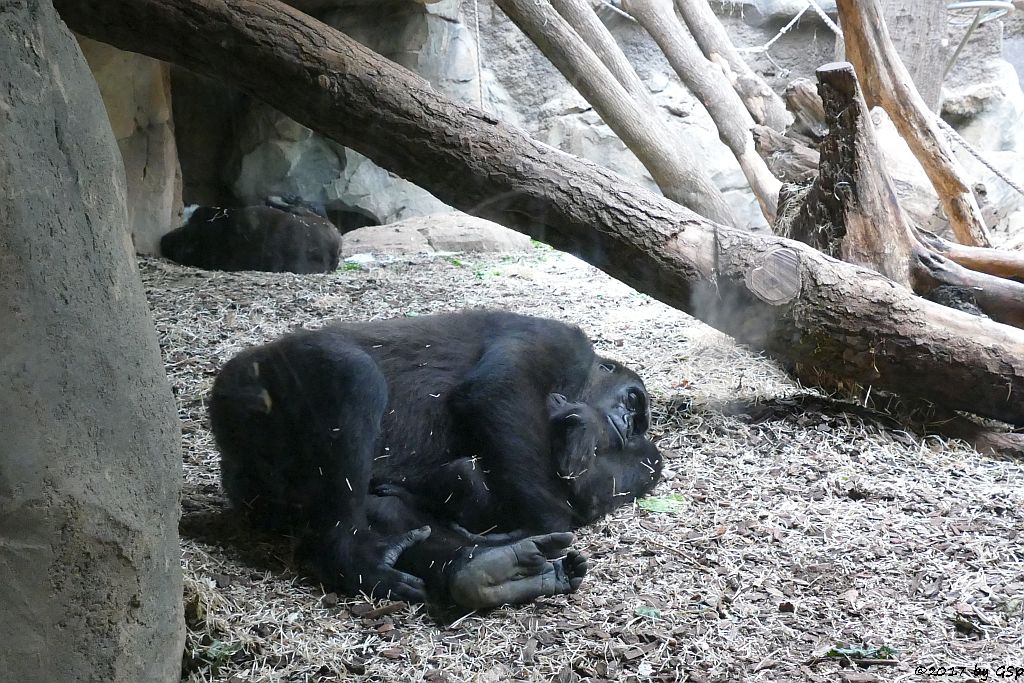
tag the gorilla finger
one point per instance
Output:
(409, 592)
(553, 545)
(575, 567)
(556, 401)
(396, 545)
(401, 584)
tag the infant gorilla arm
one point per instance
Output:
(349, 433)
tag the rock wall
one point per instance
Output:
(90, 463)
(136, 92)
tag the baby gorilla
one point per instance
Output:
(598, 478)
(594, 458)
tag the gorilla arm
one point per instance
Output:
(502, 405)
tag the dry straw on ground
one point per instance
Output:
(801, 526)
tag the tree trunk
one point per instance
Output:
(764, 105)
(90, 464)
(918, 28)
(673, 167)
(918, 32)
(886, 83)
(851, 211)
(706, 82)
(831, 322)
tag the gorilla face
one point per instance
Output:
(599, 445)
(618, 394)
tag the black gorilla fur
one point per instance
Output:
(441, 455)
(282, 235)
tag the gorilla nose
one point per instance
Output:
(622, 424)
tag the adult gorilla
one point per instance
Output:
(368, 436)
(282, 235)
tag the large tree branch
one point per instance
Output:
(832, 322)
(887, 83)
(673, 165)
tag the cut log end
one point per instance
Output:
(776, 279)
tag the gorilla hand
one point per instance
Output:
(576, 433)
(519, 572)
(365, 562)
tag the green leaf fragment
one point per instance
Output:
(672, 505)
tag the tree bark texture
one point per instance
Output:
(802, 100)
(886, 83)
(788, 160)
(90, 462)
(918, 29)
(673, 166)
(764, 105)
(832, 322)
(709, 86)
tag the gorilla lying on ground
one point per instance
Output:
(282, 235)
(442, 456)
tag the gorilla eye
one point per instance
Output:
(607, 367)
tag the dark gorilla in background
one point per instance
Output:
(441, 456)
(282, 235)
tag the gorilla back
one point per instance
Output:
(274, 238)
(352, 434)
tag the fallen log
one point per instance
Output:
(833, 323)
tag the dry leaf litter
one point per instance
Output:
(794, 527)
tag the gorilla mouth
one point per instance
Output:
(617, 430)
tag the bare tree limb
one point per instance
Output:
(710, 87)
(887, 84)
(673, 166)
(764, 105)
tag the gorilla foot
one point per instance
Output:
(519, 572)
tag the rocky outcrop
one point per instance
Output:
(90, 463)
(443, 232)
(136, 92)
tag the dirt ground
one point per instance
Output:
(789, 526)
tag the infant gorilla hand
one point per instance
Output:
(576, 432)
(365, 562)
(517, 573)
